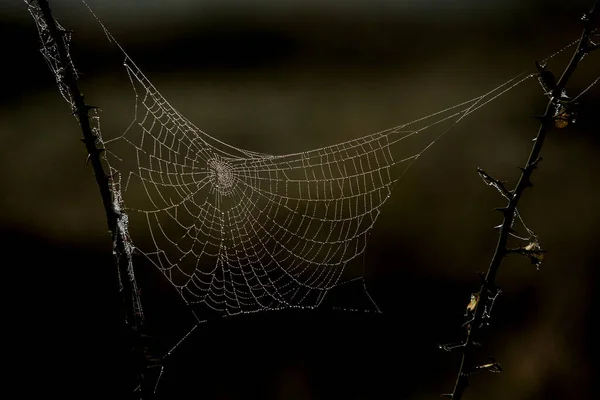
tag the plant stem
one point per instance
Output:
(509, 212)
(130, 296)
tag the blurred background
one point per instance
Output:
(286, 76)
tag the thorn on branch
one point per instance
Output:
(536, 162)
(451, 346)
(89, 156)
(503, 210)
(530, 166)
(510, 230)
(91, 139)
(490, 181)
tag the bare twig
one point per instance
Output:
(480, 308)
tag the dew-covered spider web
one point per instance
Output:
(242, 231)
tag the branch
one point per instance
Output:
(114, 217)
(535, 253)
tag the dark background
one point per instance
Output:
(280, 77)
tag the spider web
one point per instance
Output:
(242, 231)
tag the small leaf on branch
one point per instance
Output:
(563, 116)
(533, 251)
(472, 303)
(493, 366)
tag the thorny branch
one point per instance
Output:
(115, 219)
(556, 115)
